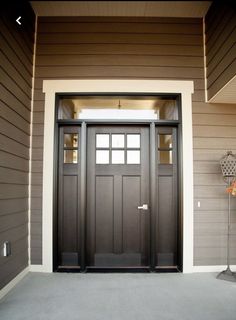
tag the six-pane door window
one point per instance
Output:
(118, 148)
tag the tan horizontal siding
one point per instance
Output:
(118, 27)
(14, 118)
(15, 75)
(119, 60)
(16, 57)
(214, 131)
(13, 87)
(133, 38)
(220, 46)
(8, 160)
(223, 79)
(14, 133)
(36, 192)
(13, 191)
(13, 102)
(120, 49)
(16, 220)
(14, 147)
(17, 46)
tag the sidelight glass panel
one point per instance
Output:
(165, 157)
(102, 140)
(133, 140)
(118, 141)
(118, 157)
(70, 156)
(70, 140)
(165, 141)
(102, 157)
(133, 157)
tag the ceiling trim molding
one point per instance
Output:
(182, 9)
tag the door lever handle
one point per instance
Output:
(143, 207)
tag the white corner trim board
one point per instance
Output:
(13, 282)
(185, 88)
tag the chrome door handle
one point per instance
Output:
(143, 207)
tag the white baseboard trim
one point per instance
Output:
(38, 268)
(13, 282)
(218, 268)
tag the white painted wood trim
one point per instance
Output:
(217, 268)
(13, 282)
(185, 88)
(37, 268)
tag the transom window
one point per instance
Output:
(152, 107)
(118, 148)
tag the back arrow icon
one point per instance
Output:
(18, 20)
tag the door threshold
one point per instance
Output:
(169, 269)
(70, 269)
(77, 269)
(117, 269)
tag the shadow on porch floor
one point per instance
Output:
(119, 297)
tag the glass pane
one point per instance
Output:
(70, 156)
(122, 107)
(118, 157)
(70, 140)
(168, 109)
(133, 157)
(102, 140)
(66, 109)
(102, 156)
(133, 140)
(165, 141)
(165, 157)
(118, 141)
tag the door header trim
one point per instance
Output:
(183, 88)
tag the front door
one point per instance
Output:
(117, 202)
(118, 216)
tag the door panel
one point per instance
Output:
(117, 232)
(131, 218)
(104, 214)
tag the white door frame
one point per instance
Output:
(51, 87)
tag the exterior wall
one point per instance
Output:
(15, 103)
(135, 48)
(220, 46)
(214, 132)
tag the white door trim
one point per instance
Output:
(184, 88)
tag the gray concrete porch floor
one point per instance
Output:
(136, 296)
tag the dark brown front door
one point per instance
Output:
(118, 216)
(117, 202)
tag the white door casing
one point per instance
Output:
(51, 87)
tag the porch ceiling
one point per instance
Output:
(191, 9)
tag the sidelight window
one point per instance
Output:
(70, 148)
(165, 145)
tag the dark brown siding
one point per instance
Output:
(16, 56)
(118, 48)
(220, 46)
